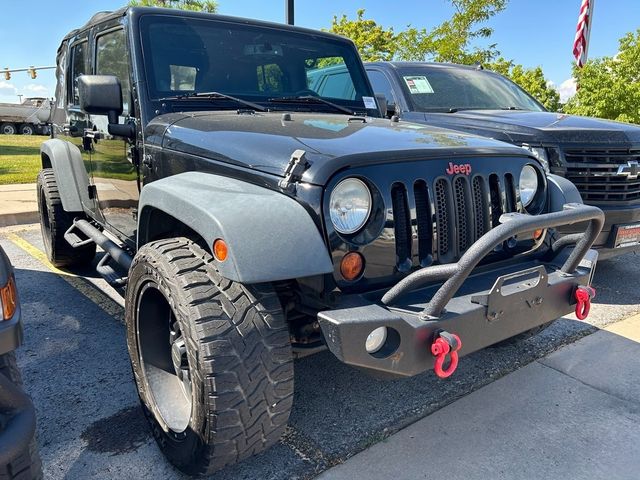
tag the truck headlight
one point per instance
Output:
(350, 205)
(541, 154)
(528, 185)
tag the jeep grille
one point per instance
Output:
(450, 215)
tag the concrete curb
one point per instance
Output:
(18, 218)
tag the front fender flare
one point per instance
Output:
(71, 175)
(269, 236)
(561, 192)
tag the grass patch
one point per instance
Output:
(19, 158)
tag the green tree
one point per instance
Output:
(451, 41)
(531, 80)
(374, 42)
(210, 6)
(609, 87)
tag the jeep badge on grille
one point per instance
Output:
(465, 169)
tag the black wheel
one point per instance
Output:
(211, 358)
(8, 129)
(55, 221)
(27, 464)
(26, 129)
(523, 336)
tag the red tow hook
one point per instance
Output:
(583, 297)
(446, 344)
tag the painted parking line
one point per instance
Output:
(85, 287)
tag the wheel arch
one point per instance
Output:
(270, 236)
(71, 176)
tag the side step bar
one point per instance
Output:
(112, 251)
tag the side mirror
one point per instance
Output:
(102, 95)
(382, 103)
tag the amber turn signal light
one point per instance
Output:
(537, 234)
(351, 266)
(220, 250)
(9, 299)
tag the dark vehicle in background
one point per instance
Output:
(601, 157)
(18, 453)
(255, 215)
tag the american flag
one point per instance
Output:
(583, 30)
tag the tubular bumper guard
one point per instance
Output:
(482, 309)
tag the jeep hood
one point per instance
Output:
(265, 141)
(535, 127)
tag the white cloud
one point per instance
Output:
(40, 90)
(567, 89)
(7, 89)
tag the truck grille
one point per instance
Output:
(594, 171)
(450, 215)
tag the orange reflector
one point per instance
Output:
(220, 250)
(537, 234)
(351, 266)
(9, 298)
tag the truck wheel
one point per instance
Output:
(26, 129)
(211, 358)
(27, 465)
(8, 129)
(522, 336)
(55, 221)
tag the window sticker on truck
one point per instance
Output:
(418, 84)
(369, 102)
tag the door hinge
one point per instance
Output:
(298, 163)
(93, 192)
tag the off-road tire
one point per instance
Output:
(27, 465)
(8, 129)
(55, 221)
(26, 129)
(238, 352)
(522, 336)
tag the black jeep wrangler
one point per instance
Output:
(19, 457)
(252, 220)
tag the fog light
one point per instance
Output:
(351, 266)
(376, 340)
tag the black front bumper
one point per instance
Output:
(483, 306)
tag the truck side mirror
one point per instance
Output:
(382, 103)
(102, 95)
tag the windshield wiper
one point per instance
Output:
(312, 99)
(216, 96)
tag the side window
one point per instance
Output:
(112, 59)
(78, 67)
(381, 84)
(329, 77)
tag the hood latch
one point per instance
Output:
(298, 163)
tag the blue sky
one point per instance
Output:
(532, 32)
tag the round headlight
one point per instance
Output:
(528, 185)
(350, 205)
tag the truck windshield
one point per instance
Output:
(186, 56)
(437, 89)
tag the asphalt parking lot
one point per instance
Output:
(77, 370)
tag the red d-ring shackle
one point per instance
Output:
(583, 298)
(446, 344)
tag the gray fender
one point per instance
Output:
(561, 191)
(71, 175)
(269, 236)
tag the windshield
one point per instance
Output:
(255, 63)
(440, 89)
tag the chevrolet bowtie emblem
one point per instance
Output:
(631, 170)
